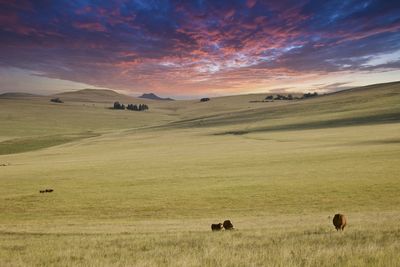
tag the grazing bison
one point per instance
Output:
(228, 225)
(46, 191)
(339, 221)
(216, 227)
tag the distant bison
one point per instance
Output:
(216, 227)
(228, 225)
(46, 191)
(339, 221)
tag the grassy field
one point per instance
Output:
(141, 189)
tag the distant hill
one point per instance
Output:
(367, 105)
(154, 97)
(95, 95)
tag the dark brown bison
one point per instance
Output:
(49, 190)
(339, 221)
(42, 191)
(216, 227)
(228, 225)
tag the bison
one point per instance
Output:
(228, 225)
(42, 191)
(216, 227)
(339, 221)
(49, 190)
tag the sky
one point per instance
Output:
(197, 48)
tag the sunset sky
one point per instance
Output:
(197, 48)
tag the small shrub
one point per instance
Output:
(56, 100)
(308, 95)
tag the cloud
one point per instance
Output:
(184, 47)
(90, 26)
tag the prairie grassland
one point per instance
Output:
(146, 196)
(282, 241)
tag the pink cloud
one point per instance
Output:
(251, 3)
(90, 26)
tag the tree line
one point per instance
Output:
(290, 97)
(135, 107)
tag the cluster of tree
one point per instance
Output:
(56, 100)
(204, 99)
(290, 97)
(140, 107)
(118, 105)
(280, 97)
(308, 95)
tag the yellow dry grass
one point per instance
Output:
(145, 189)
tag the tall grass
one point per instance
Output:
(297, 242)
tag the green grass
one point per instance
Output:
(142, 194)
(33, 118)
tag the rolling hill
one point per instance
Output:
(96, 96)
(143, 188)
(364, 105)
(86, 113)
(235, 114)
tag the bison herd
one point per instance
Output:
(227, 225)
(46, 191)
(339, 221)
